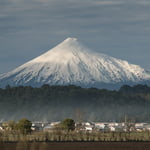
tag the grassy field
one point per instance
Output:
(76, 137)
(75, 146)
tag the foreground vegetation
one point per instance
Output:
(62, 136)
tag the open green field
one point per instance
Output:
(75, 146)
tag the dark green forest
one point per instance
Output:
(54, 103)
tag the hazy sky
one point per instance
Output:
(28, 28)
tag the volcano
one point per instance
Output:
(72, 63)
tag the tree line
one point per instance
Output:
(55, 103)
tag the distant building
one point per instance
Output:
(48, 128)
(147, 127)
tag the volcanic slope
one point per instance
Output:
(69, 63)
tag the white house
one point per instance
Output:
(54, 123)
(112, 128)
(89, 128)
(100, 125)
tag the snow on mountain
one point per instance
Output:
(72, 63)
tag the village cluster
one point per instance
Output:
(96, 126)
(89, 126)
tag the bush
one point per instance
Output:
(68, 124)
(24, 126)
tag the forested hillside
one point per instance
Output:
(58, 102)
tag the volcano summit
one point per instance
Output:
(72, 63)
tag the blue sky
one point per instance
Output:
(119, 28)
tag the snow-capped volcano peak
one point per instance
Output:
(70, 43)
(70, 62)
(63, 52)
(70, 39)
